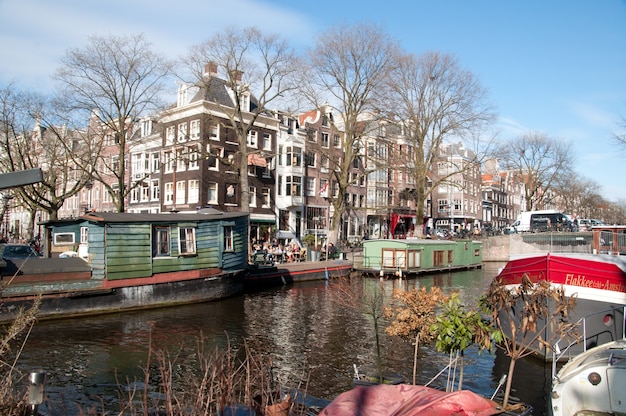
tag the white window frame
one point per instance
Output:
(228, 238)
(194, 191)
(186, 241)
(214, 191)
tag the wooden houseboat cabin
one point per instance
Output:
(133, 261)
(414, 256)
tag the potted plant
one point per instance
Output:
(314, 250)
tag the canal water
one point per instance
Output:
(311, 339)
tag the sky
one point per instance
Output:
(557, 67)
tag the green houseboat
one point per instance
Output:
(405, 257)
(105, 262)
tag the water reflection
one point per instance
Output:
(313, 342)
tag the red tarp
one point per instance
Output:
(408, 400)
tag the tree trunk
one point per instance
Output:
(507, 390)
(417, 346)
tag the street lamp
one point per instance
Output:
(36, 381)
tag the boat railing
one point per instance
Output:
(558, 353)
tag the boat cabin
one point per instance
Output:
(129, 245)
(420, 255)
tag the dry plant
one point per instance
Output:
(13, 399)
(364, 295)
(413, 317)
(208, 382)
(528, 310)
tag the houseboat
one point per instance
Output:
(412, 256)
(596, 279)
(124, 261)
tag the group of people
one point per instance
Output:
(279, 253)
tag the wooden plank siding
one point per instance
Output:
(128, 251)
(120, 245)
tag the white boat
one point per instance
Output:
(592, 383)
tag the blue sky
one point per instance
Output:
(555, 66)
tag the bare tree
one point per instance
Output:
(114, 80)
(541, 161)
(348, 69)
(437, 102)
(258, 73)
(620, 136)
(33, 136)
(578, 195)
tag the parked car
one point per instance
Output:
(585, 224)
(17, 251)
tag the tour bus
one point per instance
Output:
(544, 220)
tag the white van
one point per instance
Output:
(543, 220)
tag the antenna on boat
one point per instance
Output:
(500, 383)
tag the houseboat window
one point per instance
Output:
(438, 258)
(160, 241)
(84, 234)
(450, 256)
(63, 238)
(228, 238)
(187, 240)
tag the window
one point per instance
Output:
(336, 141)
(168, 160)
(170, 135)
(194, 156)
(194, 129)
(253, 196)
(212, 193)
(194, 191)
(267, 199)
(214, 134)
(293, 185)
(443, 205)
(155, 162)
(228, 238)
(310, 158)
(253, 137)
(310, 186)
(155, 190)
(186, 240)
(115, 163)
(325, 141)
(145, 191)
(181, 187)
(182, 132)
(160, 241)
(169, 193)
(64, 238)
(84, 235)
(267, 141)
(214, 154)
(325, 162)
(294, 156)
(134, 195)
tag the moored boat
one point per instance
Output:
(413, 256)
(131, 261)
(592, 382)
(597, 280)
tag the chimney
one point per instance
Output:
(236, 75)
(210, 69)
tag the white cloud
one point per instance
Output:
(35, 34)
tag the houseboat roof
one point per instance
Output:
(126, 217)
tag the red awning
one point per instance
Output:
(256, 160)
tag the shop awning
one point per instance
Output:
(256, 160)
